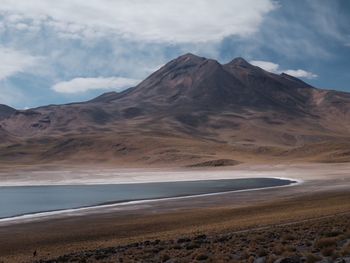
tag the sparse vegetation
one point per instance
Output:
(325, 242)
(312, 258)
(309, 241)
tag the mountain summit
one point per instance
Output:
(195, 83)
(187, 111)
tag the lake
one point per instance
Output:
(21, 200)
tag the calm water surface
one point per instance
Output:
(19, 200)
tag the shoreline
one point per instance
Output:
(86, 176)
(324, 190)
(88, 234)
(47, 215)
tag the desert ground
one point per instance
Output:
(321, 196)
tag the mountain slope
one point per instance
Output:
(191, 110)
(6, 111)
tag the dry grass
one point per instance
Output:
(326, 242)
(345, 251)
(312, 258)
(234, 247)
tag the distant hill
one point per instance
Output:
(190, 111)
(6, 111)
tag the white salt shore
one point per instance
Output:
(84, 176)
(315, 176)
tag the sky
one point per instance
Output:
(55, 52)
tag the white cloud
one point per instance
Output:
(266, 65)
(151, 20)
(78, 85)
(275, 68)
(14, 61)
(300, 73)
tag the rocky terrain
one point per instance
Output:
(322, 240)
(190, 111)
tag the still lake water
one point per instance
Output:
(20, 200)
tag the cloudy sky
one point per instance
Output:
(71, 50)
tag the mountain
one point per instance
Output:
(6, 111)
(191, 111)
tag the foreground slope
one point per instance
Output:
(192, 110)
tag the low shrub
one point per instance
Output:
(326, 242)
(327, 251)
(311, 258)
